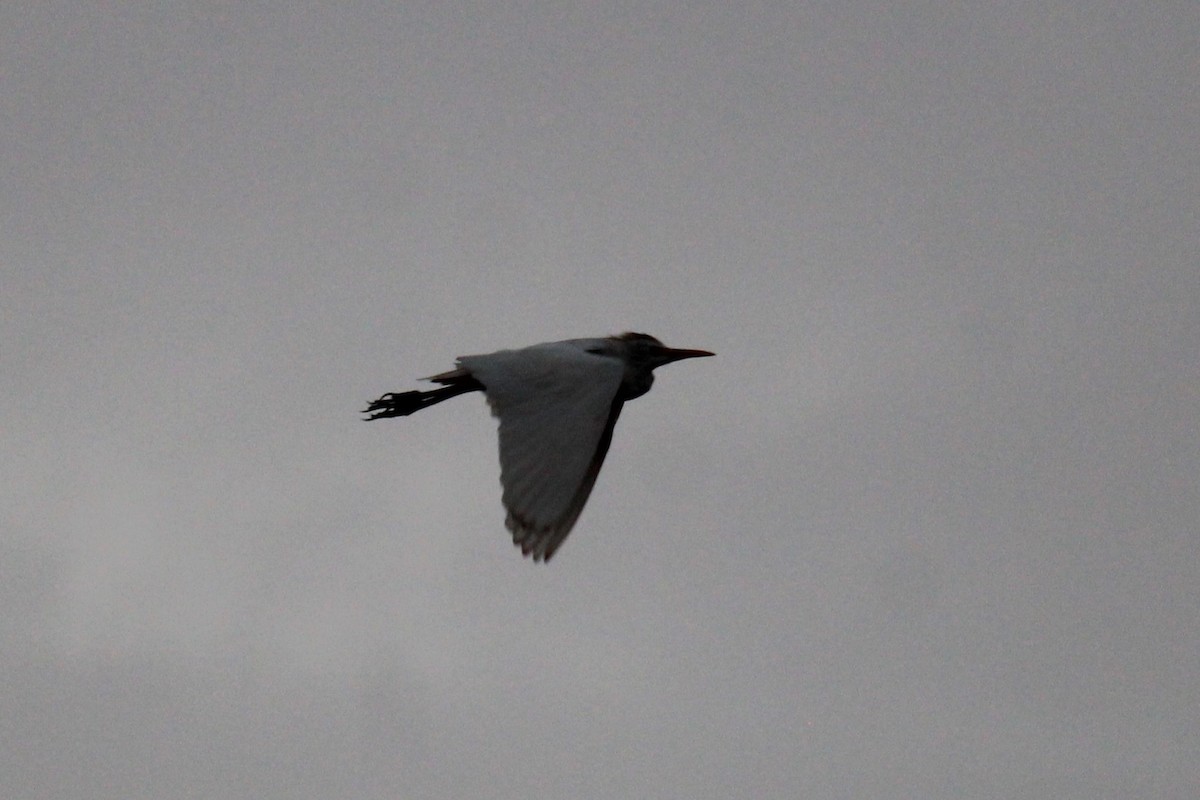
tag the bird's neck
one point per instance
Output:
(636, 383)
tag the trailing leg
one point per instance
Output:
(401, 404)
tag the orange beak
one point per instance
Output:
(669, 354)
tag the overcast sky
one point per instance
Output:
(926, 527)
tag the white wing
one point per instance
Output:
(557, 405)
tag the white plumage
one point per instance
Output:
(553, 402)
(557, 404)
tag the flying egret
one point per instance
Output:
(557, 403)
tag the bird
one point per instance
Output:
(557, 404)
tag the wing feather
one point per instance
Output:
(557, 405)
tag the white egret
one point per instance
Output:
(557, 403)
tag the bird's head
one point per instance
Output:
(646, 352)
(643, 354)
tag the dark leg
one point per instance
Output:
(402, 404)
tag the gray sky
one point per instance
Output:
(926, 527)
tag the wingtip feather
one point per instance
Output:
(538, 542)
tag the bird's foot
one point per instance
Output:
(393, 404)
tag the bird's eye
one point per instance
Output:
(596, 351)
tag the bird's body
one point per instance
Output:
(557, 403)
